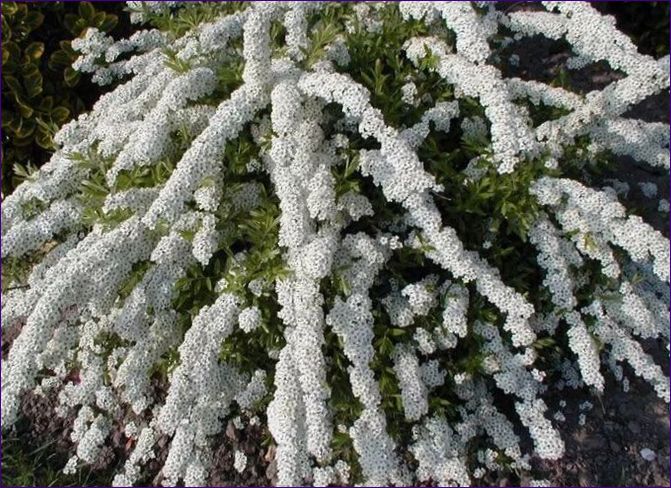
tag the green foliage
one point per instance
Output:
(187, 16)
(15, 271)
(392, 69)
(27, 464)
(38, 85)
(174, 63)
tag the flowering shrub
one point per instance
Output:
(342, 221)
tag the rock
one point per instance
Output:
(648, 454)
(230, 431)
(271, 470)
(270, 455)
(157, 479)
(584, 479)
(614, 446)
(596, 442)
(611, 428)
(634, 427)
(624, 410)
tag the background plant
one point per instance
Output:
(40, 90)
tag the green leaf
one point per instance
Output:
(12, 83)
(8, 118)
(59, 59)
(67, 47)
(32, 82)
(108, 23)
(23, 141)
(98, 19)
(26, 130)
(9, 8)
(60, 115)
(69, 22)
(87, 11)
(34, 19)
(46, 104)
(13, 49)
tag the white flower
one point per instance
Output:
(240, 462)
(409, 91)
(413, 390)
(249, 319)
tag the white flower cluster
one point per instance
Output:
(29, 235)
(440, 452)
(413, 391)
(588, 355)
(510, 138)
(624, 348)
(454, 313)
(338, 474)
(113, 299)
(254, 391)
(240, 462)
(557, 256)
(250, 319)
(409, 91)
(595, 219)
(140, 10)
(97, 47)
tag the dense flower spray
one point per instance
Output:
(274, 233)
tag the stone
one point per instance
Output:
(648, 454)
(230, 431)
(634, 427)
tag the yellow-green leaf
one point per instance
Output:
(9, 8)
(35, 50)
(13, 84)
(98, 19)
(71, 76)
(24, 110)
(22, 141)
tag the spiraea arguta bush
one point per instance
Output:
(344, 222)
